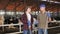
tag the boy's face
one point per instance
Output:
(29, 10)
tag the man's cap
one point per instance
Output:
(42, 5)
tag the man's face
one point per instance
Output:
(29, 10)
(42, 9)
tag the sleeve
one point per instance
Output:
(22, 19)
(32, 20)
(49, 15)
(38, 18)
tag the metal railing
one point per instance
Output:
(34, 28)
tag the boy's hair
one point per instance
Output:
(26, 8)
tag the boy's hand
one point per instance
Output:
(29, 27)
